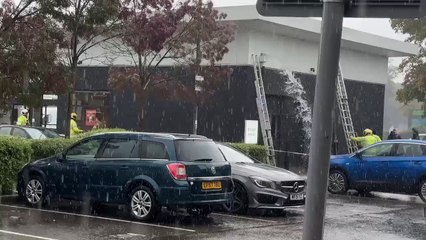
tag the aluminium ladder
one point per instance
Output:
(345, 113)
(262, 108)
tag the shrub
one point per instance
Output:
(14, 154)
(49, 147)
(257, 152)
(102, 130)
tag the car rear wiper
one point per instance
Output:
(203, 160)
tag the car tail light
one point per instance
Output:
(177, 170)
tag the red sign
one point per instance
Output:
(90, 117)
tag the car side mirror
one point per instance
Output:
(358, 155)
(60, 157)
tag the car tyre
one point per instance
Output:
(422, 190)
(363, 192)
(200, 212)
(337, 182)
(142, 204)
(280, 212)
(239, 202)
(34, 192)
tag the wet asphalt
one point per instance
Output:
(349, 217)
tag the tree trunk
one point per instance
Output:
(70, 102)
(68, 114)
(142, 98)
(141, 117)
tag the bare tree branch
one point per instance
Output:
(156, 65)
(97, 43)
(17, 15)
(106, 30)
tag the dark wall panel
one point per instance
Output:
(366, 102)
(222, 117)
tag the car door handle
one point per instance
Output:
(85, 167)
(417, 162)
(124, 167)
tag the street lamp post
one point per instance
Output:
(198, 89)
(198, 79)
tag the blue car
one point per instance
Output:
(397, 166)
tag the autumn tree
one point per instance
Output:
(414, 67)
(29, 65)
(85, 24)
(186, 34)
(10, 13)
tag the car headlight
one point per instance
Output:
(262, 182)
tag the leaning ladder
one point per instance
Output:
(345, 113)
(262, 108)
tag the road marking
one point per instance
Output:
(245, 218)
(102, 218)
(127, 235)
(26, 235)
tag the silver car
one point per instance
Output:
(261, 186)
(27, 132)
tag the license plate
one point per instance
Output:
(211, 185)
(297, 197)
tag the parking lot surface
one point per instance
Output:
(378, 216)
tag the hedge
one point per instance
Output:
(14, 153)
(257, 152)
(49, 147)
(102, 130)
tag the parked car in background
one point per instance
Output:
(144, 171)
(49, 133)
(261, 186)
(397, 166)
(27, 132)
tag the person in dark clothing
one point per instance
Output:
(394, 135)
(415, 134)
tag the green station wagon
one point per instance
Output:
(144, 171)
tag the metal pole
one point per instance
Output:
(195, 120)
(325, 92)
(198, 59)
(68, 114)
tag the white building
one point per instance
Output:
(293, 44)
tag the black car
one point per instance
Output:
(261, 186)
(144, 171)
(27, 132)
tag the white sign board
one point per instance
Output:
(50, 97)
(251, 130)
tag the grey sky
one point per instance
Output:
(375, 26)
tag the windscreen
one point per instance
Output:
(50, 134)
(198, 150)
(233, 155)
(35, 133)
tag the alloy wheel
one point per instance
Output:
(34, 191)
(423, 191)
(238, 203)
(336, 182)
(141, 203)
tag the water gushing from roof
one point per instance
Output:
(294, 89)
